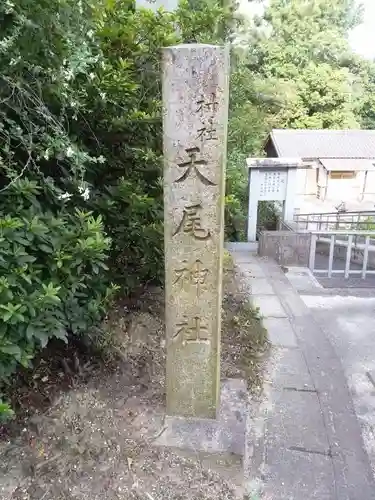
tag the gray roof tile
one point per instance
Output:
(324, 143)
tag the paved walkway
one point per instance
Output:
(347, 316)
(304, 439)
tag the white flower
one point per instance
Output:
(9, 7)
(84, 191)
(86, 194)
(14, 61)
(101, 159)
(69, 152)
(68, 73)
(65, 196)
(92, 76)
(103, 95)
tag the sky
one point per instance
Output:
(363, 37)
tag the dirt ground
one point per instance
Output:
(85, 426)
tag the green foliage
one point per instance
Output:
(81, 159)
(366, 93)
(51, 274)
(294, 68)
(252, 104)
(44, 48)
(53, 249)
(122, 120)
(6, 413)
(303, 48)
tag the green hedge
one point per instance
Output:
(51, 274)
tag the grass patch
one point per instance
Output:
(245, 342)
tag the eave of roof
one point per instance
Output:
(313, 144)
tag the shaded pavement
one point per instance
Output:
(304, 439)
(349, 323)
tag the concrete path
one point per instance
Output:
(348, 318)
(304, 440)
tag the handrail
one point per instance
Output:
(349, 250)
(286, 225)
(361, 220)
(341, 232)
(354, 212)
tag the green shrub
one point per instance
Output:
(52, 273)
(236, 200)
(121, 119)
(235, 218)
(81, 115)
(6, 413)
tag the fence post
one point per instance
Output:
(314, 237)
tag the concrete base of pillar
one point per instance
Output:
(226, 434)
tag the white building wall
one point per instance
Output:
(306, 181)
(313, 188)
(369, 192)
(345, 189)
(301, 181)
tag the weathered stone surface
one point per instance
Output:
(260, 286)
(195, 100)
(280, 332)
(291, 371)
(269, 306)
(286, 247)
(224, 434)
(288, 418)
(315, 478)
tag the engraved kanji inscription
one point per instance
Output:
(193, 165)
(207, 131)
(191, 223)
(207, 105)
(192, 331)
(194, 275)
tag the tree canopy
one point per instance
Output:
(293, 67)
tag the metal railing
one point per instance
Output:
(354, 251)
(360, 220)
(285, 226)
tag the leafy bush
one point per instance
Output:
(121, 119)
(80, 159)
(268, 217)
(53, 248)
(6, 413)
(51, 274)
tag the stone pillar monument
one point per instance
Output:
(195, 100)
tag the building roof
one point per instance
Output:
(347, 164)
(272, 163)
(309, 144)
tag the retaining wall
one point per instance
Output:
(285, 247)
